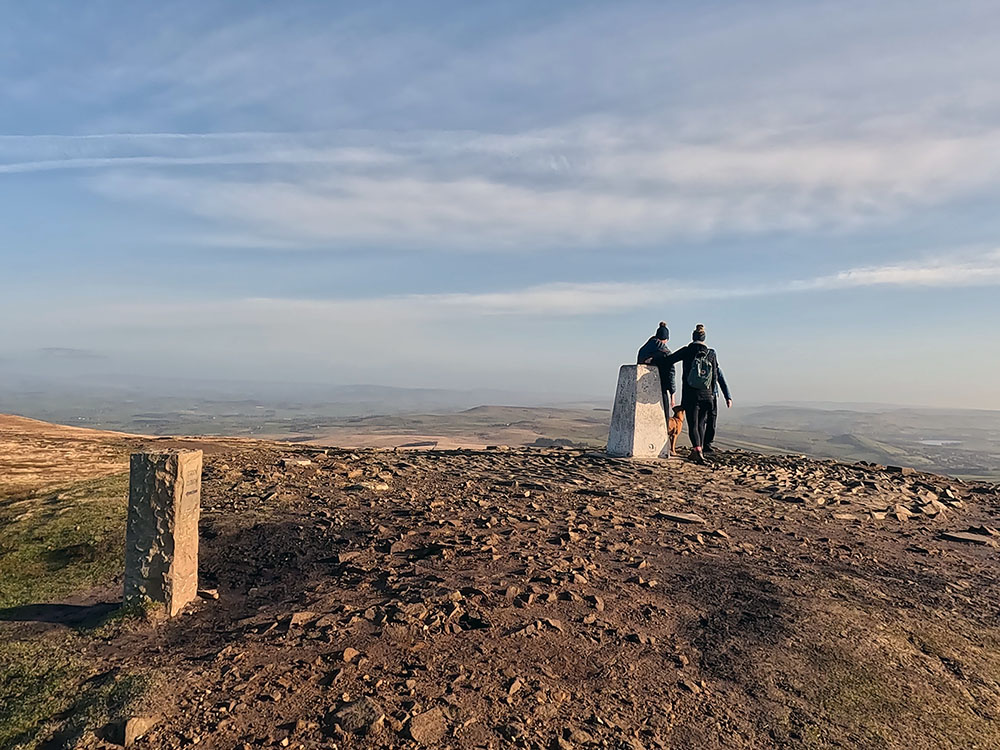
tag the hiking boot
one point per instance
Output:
(697, 458)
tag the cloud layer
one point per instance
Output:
(589, 185)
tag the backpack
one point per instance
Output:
(700, 375)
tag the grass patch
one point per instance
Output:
(60, 542)
(33, 681)
(932, 682)
(124, 619)
(46, 695)
(55, 543)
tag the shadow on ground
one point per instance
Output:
(69, 615)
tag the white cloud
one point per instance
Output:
(675, 123)
(563, 299)
(961, 270)
(579, 185)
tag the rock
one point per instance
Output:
(289, 462)
(691, 687)
(350, 654)
(360, 717)
(577, 736)
(968, 537)
(137, 727)
(209, 594)
(680, 517)
(901, 512)
(428, 727)
(299, 619)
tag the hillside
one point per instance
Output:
(528, 598)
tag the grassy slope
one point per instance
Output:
(55, 544)
(63, 541)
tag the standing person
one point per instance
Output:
(654, 352)
(700, 376)
(714, 416)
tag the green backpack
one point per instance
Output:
(700, 374)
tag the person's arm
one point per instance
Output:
(677, 356)
(724, 386)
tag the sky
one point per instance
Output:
(505, 195)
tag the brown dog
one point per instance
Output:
(674, 427)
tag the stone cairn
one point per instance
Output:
(161, 536)
(638, 421)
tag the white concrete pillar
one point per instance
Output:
(638, 422)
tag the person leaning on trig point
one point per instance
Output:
(653, 352)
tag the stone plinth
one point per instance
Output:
(638, 422)
(161, 537)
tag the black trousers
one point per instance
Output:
(698, 414)
(666, 405)
(710, 427)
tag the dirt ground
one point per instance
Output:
(552, 598)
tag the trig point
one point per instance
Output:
(638, 422)
(161, 538)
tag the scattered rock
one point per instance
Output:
(300, 619)
(428, 727)
(969, 538)
(680, 517)
(360, 717)
(137, 727)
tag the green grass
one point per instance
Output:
(45, 693)
(61, 542)
(54, 544)
(33, 680)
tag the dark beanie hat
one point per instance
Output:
(699, 333)
(663, 333)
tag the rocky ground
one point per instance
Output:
(551, 598)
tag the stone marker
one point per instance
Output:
(161, 536)
(638, 423)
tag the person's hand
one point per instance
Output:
(729, 403)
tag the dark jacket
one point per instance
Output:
(654, 352)
(686, 356)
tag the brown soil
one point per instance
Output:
(554, 599)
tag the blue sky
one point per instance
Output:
(505, 194)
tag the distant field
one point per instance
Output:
(961, 443)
